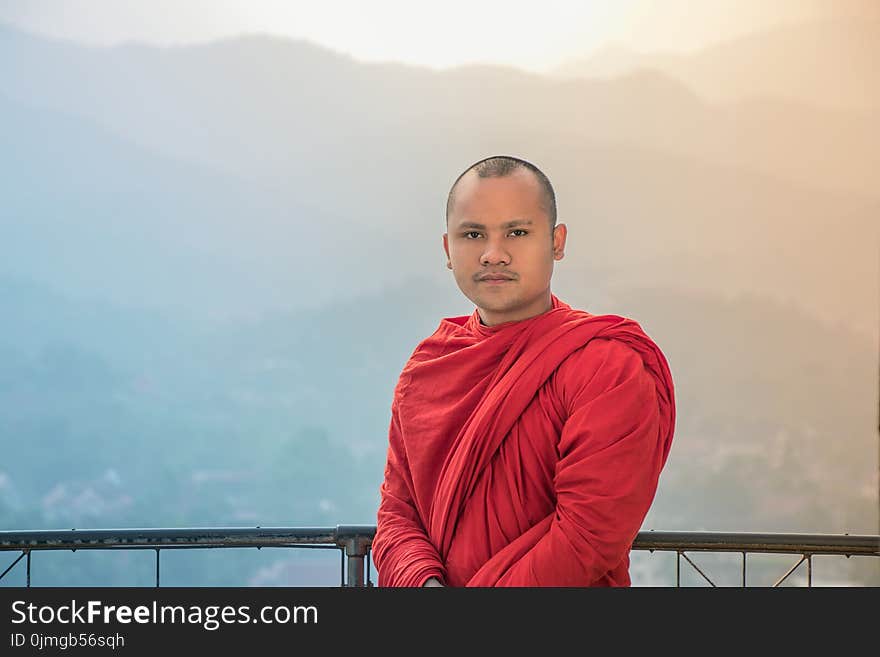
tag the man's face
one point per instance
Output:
(497, 227)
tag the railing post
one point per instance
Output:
(355, 554)
(355, 541)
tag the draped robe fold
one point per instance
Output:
(523, 454)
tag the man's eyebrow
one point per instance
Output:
(509, 224)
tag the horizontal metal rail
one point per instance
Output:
(354, 542)
(844, 544)
(63, 539)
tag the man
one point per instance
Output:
(526, 439)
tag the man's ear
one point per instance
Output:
(446, 249)
(559, 235)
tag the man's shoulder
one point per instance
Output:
(430, 347)
(448, 328)
(600, 352)
(601, 362)
(593, 369)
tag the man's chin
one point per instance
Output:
(493, 306)
(498, 301)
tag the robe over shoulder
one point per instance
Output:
(523, 454)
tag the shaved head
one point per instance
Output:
(498, 166)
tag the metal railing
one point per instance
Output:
(804, 545)
(354, 541)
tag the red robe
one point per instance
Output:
(523, 454)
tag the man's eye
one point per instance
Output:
(472, 232)
(520, 230)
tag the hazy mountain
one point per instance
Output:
(101, 217)
(110, 219)
(283, 421)
(830, 64)
(284, 110)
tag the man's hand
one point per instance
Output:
(433, 581)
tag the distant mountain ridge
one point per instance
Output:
(830, 64)
(262, 106)
(285, 168)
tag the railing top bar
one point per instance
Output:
(159, 536)
(355, 531)
(759, 542)
(343, 535)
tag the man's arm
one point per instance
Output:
(611, 453)
(402, 552)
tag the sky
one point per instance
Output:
(533, 35)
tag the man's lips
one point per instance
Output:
(495, 278)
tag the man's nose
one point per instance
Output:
(495, 252)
